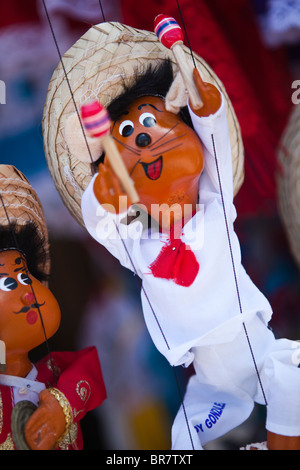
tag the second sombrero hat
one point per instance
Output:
(20, 205)
(288, 182)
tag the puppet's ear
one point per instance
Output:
(83, 149)
(177, 96)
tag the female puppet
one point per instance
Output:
(188, 275)
(63, 386)
(199, 304)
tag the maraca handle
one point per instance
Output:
(97, 123)
(119, 167)
(187, 75)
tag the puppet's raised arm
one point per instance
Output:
(210, 123)
(210, 95)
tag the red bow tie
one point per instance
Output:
(176, 262)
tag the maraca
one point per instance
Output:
(97, 123)
(2, 357)
(170, 35)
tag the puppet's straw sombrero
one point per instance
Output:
(20, 204)
(288, 182)
(95, 67)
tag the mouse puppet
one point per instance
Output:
(56, 392)
(199, 304)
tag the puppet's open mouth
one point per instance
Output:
(153, 170)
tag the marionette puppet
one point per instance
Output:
(183, 153)
(41, 404)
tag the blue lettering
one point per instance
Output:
(220, 405)
(213, 416)
(198, 427)
(208, 423)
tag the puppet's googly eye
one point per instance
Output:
(24, 279)
(126, 128)
(8, 283)
(147, 119)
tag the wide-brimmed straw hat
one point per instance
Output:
(288, 182)
(19, 204)
(95, 67)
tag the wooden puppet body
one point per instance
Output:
(63, 386)
(190, 302)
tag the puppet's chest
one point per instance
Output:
(201, 248)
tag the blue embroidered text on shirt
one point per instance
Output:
(213, 416)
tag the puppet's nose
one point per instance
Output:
(143, 139)
(28, 298)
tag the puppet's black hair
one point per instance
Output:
(155, 80)
(30, 243)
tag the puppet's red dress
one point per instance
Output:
(76, 374)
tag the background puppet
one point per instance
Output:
(63, 386)
(199, 304)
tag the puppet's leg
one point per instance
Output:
(281, 374)
(279, 442)
(221, 395)
(209, 412)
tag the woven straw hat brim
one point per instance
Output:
(21, 204)
(95, 66)
(288, 182)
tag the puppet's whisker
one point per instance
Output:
(128, 147)
(167, 150)
(168, 141)
(163, 136)
(134, 166)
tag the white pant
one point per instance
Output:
(221, 395)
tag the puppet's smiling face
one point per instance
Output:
(163, 155)
(22, 299)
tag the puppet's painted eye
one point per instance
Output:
(24, 279)
(147, 119)
(126, 128)
(8, 283)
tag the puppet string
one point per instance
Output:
(153, 312)
(228, 235)
(68, 83)
(227, 230)
(148, 300)
(102, 11)
(234, 270)
(163, 335)
(186, 35)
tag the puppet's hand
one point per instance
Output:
(46, 425)
(108, 191)
(210, 96)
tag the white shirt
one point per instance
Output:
(24, 388)
(207, 312)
